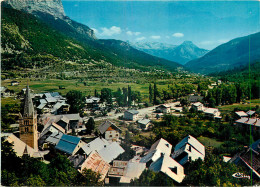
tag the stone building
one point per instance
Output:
(28, 122)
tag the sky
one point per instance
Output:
(206, 23)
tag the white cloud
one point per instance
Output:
(178, 35)
(95, 30)
(114, 30)
(167, 37)
(130, 33)
(140, 39)
(156, 37)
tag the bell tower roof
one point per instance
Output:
(28, 104)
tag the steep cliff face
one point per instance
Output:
(53, 7)
(52, 13)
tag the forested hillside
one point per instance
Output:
(29, 41)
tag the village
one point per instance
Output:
(96, 142)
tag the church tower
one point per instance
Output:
(28, 122)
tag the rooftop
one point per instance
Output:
(68, 143)
(134, 112)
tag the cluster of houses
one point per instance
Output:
(5, 92)
(51, 102)
(247, 120)
(160, 157)
(212, 113)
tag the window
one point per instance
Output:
(26, 122)
(26, 129)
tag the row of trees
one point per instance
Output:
(230, 93)
(124, 97)
(175, 91)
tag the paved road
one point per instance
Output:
(142, 112)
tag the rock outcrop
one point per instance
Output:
(53, 7)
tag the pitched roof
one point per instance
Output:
(144, 121)
(159, 147)
(41, 106)
(76, 160)
(249, 121)
(210, 110)
(195, 98)
(250, 112)
(256, 146)
(47, 95)
(95, 145)
(55, 94)
(134, 112)
(163, 145)
(97, 164)
(111, 151)
(51, 99)
(164, 106)
(197, 104)
(28, 104)
(166, 165)
(20, 147)
(54, 138)
(192, 141)
(241, 114)
(48, 127)
(133, 170)
(43, 101)
(104, 126)
(68, 143)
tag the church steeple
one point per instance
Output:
(28, 104)
(28, 123)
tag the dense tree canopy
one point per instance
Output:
(76, 100)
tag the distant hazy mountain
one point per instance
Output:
(183, 53)
(234, 53)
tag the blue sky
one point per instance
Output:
(206, 23)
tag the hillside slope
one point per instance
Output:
(26, 38)
(232, 54)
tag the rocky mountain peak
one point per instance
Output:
(52, 7)
(187, 43)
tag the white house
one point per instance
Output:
(188, 149)
(198, 106)
(211, 112)
(110, 131)
(131, 115)
(169, 167)
(241, 114)
(163, 109)
(159, 147)
(144, 123)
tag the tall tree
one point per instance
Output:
(106, 95)
(76, 101)
(150, 93)
(125, 96)
(90, 125)
(129, 102)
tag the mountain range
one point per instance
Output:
(36, 28)
(235, 53)
(36, 31)
(179, 53)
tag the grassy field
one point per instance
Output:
(209, 141)
(245, 107)
(10, 101)
(52, 85)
